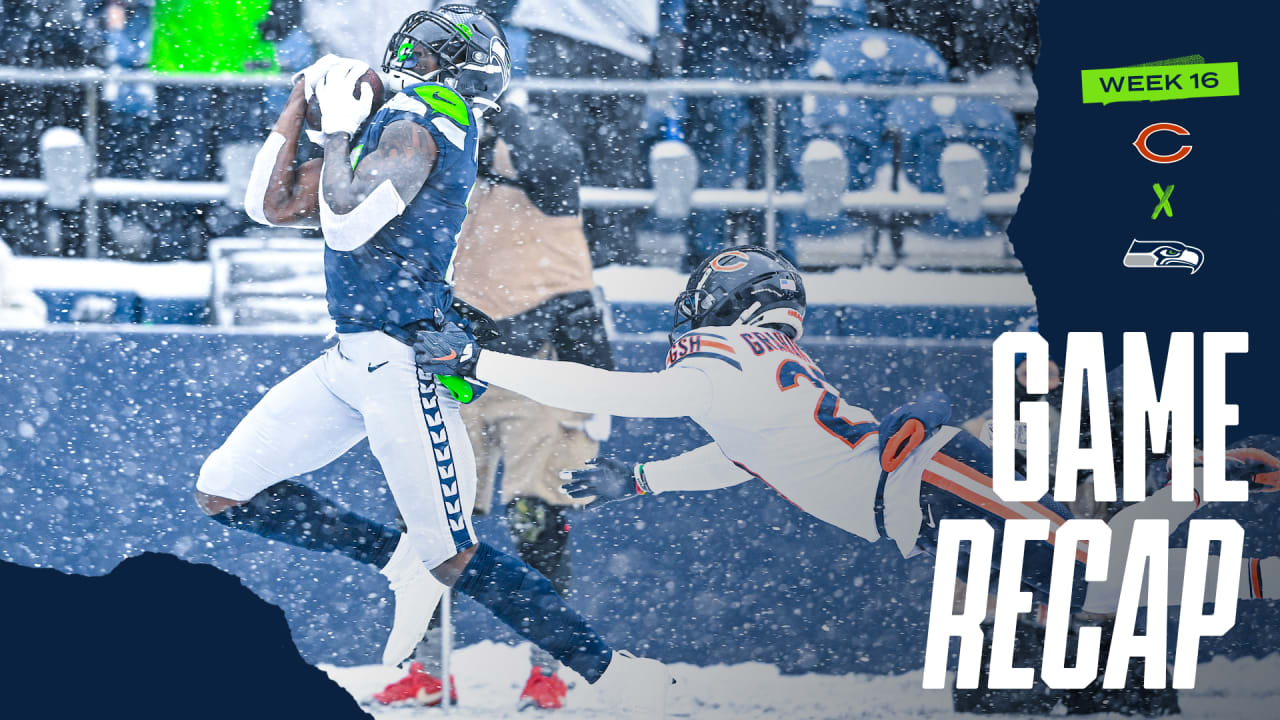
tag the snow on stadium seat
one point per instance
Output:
(852, 124)
(826, 18)
(926, 126)
(965, 148)
(866, 55)
(885, 57)
(673, 170)
(65, 166)
(236, 160)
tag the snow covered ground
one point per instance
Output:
(490, 677)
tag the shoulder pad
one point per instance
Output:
(437, 99)
(405, 103)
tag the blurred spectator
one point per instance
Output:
(526, 214)
(974, 36)
(19, 307)
(357, 28)
(37, 34)
(742, 40)
(125, 44)
(607, 39)
(523, 259)
(208, 36)
(293, 45)
(175, 132)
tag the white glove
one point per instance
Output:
(339, 111)
(312, 74)
(598, 427)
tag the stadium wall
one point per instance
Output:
(104, 432)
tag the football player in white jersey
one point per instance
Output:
(735, 368)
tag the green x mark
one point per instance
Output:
(1163, 194)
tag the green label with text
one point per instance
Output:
(1151, 83)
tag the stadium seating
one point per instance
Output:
(869, 55)
(930, 130)
(925, 126)
(149, 130)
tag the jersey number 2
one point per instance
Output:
(827, 412)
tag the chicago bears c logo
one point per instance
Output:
(729, 261)
(1152, 129)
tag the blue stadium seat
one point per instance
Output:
(927, 125)
(883, 57)
(851, 123)
(825, 18)
(875, 55)
(869, 55)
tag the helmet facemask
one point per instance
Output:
(690, 309)
(485, 74)
(477, 65)
(407, 67)
(422, 34)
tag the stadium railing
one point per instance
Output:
(768, 199)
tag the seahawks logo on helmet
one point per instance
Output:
(469, 48)
(1164, 254)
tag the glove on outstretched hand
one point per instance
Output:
(313, 73)
(606, 479)
(1259, 467)
(451, 351)
(904, 429)
(342, 106)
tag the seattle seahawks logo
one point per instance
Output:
(1164, 254)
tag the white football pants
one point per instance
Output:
(367, 384)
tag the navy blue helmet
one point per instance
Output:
(470, 49)
(746, 285)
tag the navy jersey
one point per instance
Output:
(404, 272)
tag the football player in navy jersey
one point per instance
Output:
(390, 195)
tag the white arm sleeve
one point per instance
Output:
(677, 392)
(705, 468)
(255, 193)
(348, 232)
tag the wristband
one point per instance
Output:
(255, 192)
(642, 485)
(345, 233)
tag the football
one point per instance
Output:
(370, 77)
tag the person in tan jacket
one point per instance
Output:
(523, 260)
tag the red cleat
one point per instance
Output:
(544, 690)
(417, 688)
